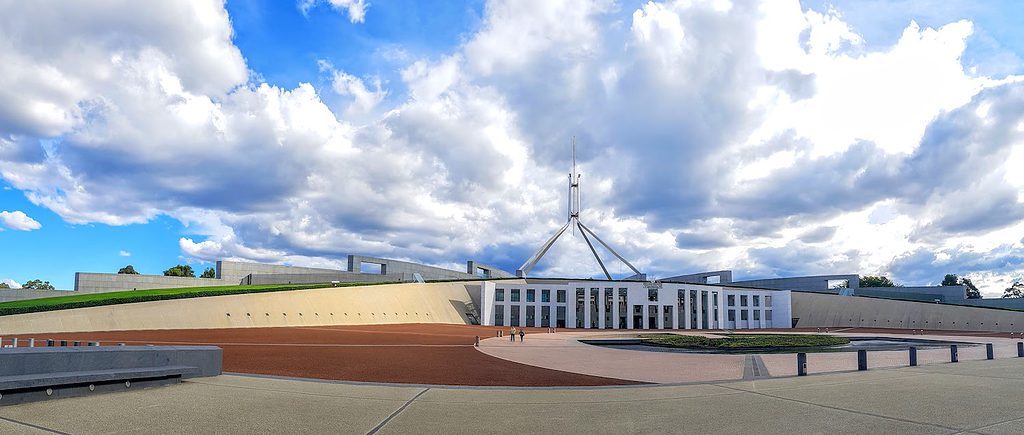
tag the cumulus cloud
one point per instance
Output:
(11, 283)
(18, 220)
(124, 254)
(764, 138)
(356, 9)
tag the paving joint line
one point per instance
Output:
(397, 411)
(852, 411)
(992, 425)
(45, 429)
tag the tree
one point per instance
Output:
(953, 279)
(127, 270)
(180, 270)
(209, 273)
(4, 285)
(1014, 291)
(876, 281)
(37, 284)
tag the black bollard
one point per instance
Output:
(477, 341)
(49, 342)
(1020, 349)
(989, 354)
(801, 364)
(952, 354)
(862, 360)
(913, 356)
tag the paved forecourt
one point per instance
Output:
(976, 396)
(564, 352)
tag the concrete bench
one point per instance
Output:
(42, 380)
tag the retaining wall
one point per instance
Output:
(453, 303)
(234, 272)
(825, 310)
(86, 282)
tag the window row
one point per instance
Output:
(531, 295)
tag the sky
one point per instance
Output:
(774, 139)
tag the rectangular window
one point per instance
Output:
(515, 295)
(731, 300)
(499, 315)
(499, 295)
(743, 314)
(732, 315)
(531, 295)
(652, 295)
(545, 295)
(561, 296)
(757, 314)
(757, 300)
(768, 300)
(768, 315)
(714, 298)
(743, 300)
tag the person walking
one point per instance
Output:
(521, 335)
(512, 334)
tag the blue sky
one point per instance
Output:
(437, 132)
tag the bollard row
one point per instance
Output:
(862, 357)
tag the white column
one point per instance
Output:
(700, 307)
(721, 309)
(675, 313)
(522, 309)
(586, 308)
(644, 321)
(570, 308)
(686, 302)
(601, 310)
(614, 308)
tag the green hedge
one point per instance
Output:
(132, 296)
(743, 341)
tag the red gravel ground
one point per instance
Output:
(416, 353)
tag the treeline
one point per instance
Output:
(176, 270)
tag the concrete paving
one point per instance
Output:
(967, 397)
(563, 351)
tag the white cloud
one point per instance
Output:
(11, 283)
(18, 220)
(766, 139)
(356, 9)
(124, 253)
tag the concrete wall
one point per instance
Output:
(489, 271)
(1008, 303)
(403, 267)
(818, 283)
(19, 294)
(724, 277)
(316, 278)
(825, 310)
(235, 271)
(387, 303)
(111, 282)
(949, 294)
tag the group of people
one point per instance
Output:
(512, 334)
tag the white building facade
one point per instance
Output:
(631, 305)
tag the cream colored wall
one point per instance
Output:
(825, 310)
(392, 303)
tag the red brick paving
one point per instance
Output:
(417, 353)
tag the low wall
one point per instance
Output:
(207, 360)
(234, 272)
(19, 294)
(86, 282)
(817, 283)
(1005, 303)
(825, 310)
(451, 303)
(316, 278)
(394, 267)
(948, 294)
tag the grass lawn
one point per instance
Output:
(126, 297)
(743, 341)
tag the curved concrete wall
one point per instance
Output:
(825, 310)
(390, 303)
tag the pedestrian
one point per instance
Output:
(521, 335)
(512, 334)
